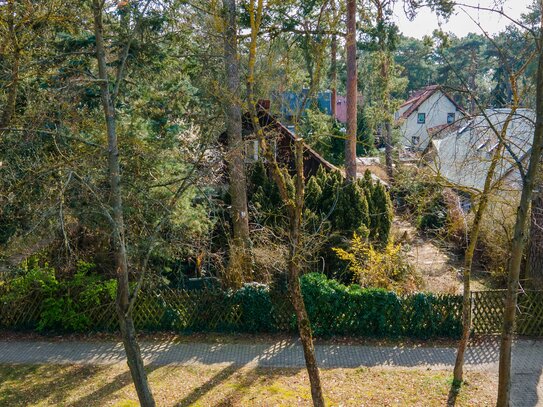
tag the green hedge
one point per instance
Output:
(336, 309)
(333, 308)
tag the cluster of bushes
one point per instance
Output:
(334, 210)
(57, 304)
(419, 195)
(434, 208)
(334, 309)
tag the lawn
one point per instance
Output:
(76, 385)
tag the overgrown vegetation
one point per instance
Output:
(85, 303)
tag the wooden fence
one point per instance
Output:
(488, 308)
(180, 310)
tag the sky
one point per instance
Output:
(460, 23)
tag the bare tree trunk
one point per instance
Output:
(534, 263)
(385, 78)
(468, 265)
(388, 150)
(295, 210)
(518, 243)
(133, 353)
(352, 82)
(333, 66)
(240, 256)
(304, 326)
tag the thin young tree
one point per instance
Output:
(529, 178)
(123, 300)
(384, 33)
(490, 186)
(294, 208)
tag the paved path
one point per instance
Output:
(527, 357)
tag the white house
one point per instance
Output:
(463, 155)
(425, 111)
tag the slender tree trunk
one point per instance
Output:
(385, 60)
(534, 263)
(133, 353)
(304, 326)
(333, 66)
(518, 243)
(295, 210)
(240, 256)
(352, 79)
(468, 265)
(388, 150)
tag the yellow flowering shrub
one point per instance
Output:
(386, 268)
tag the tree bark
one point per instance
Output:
(304, 326)
(468, 264)
(352, 79)
(388, 150)
(534, 263)
(294, 210)
(518, 243)
(240, 256)
(133, 352)
(385, 60)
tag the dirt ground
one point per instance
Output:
(440, 269)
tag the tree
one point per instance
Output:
(240, 256)
(514, 71)
(294, 208)
(534, 262)
(529, 178)
(352, 83)
(124, 299)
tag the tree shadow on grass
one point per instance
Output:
(239, 385)
(213, 382)
(32, 384)
(248, 380)
(100, 395)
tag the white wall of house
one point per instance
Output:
(436, 108)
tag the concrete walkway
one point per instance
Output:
(527, 387)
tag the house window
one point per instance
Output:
(450, 118)
(421, 118)
(415, 140)
(251, 151)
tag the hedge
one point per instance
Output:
(333, 308)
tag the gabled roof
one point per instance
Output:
(268, 121)
(463, 156)
(420, 96)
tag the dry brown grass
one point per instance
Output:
(73, 385)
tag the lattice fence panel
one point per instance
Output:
(487, 311)
(23, 313)
(530, 313)
(419, 315)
